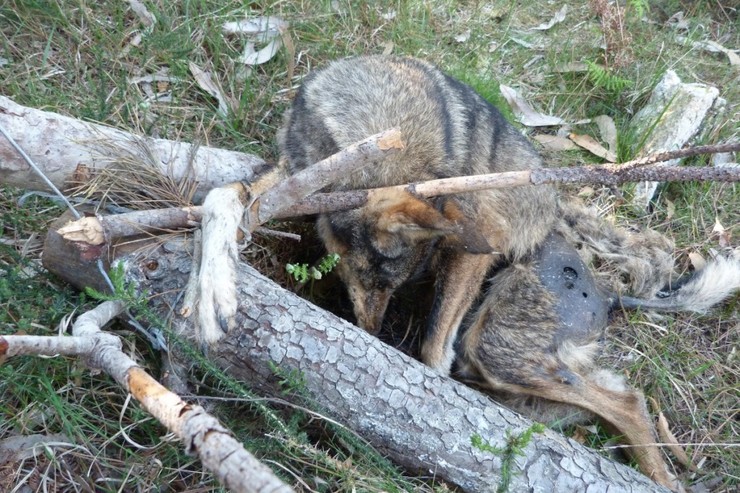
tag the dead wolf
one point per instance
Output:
(449, 130)
(534, 338)
(527, 337)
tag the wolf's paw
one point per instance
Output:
(217, 306)
(217, 303)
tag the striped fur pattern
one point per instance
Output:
(449, 130)
(535, 334)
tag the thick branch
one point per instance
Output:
(417, 418)
(67, 149)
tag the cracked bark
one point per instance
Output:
(420, 420)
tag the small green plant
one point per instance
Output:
(122, 290)
(514, 446)
(291, 381)
(303, 273)
(639, 7)
(604, 78)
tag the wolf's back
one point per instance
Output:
(448, 129)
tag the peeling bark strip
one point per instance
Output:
(59, 144)
(201, 433)
(419, 419)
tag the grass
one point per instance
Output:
(77, 58)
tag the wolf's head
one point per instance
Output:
(390, 241)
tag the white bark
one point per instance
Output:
(58, 144)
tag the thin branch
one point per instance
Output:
(296, 187)
(95, 230)
(321, 203)
(678, 154)
(200, 432)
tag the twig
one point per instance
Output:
(677, 154)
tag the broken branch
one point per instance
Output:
(67, 149)
(297, 186)
(200, 432)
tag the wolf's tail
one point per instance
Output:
(707, 287)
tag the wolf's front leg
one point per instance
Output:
(223, 209)
(456, 288)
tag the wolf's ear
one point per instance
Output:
(400, 213)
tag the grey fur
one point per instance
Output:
(530, 337)
(449, 130)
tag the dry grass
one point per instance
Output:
(80, 59)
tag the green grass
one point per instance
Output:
(76, 58)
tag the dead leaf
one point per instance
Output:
(522, 42)
(586, 192)
(555, 143)
(580, 435)
(388, 48)
(572, 67)
(524, 112)
(557, 19)
(250, 56)
(266, 29)
(153, 78)
(670, 209)
(697, 260)
(608, 131)
(724, 235)
(21, 447)
(206, 82)
(390, 15)
(588, 143)
(713, 47)
(677, 21)
(146, 17)
(464, 37)
(260, 28)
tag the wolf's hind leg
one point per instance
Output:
(605, 395)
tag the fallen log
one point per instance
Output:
(419, 419)
(71, 150)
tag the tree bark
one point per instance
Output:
(419, 419)
(67, 149)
